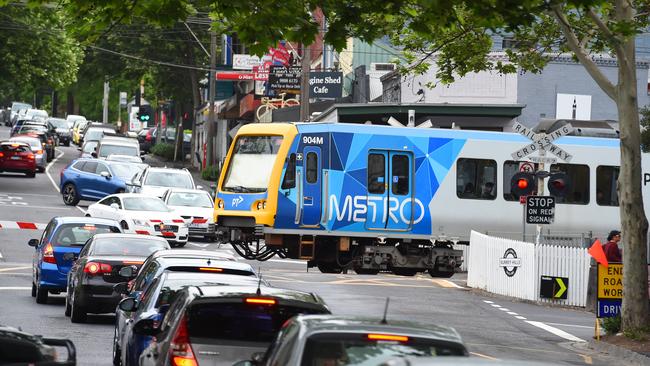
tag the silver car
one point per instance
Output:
(37, 148)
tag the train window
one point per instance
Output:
(400, 174)
(376, 173)
(606, 183)
(289, 180)
(475, 179)
(510, 168)
(311, 170)
(579, 178)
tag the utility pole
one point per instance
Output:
(304, 83)
(106, 90)
(211, 119)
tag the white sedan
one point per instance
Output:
(142, 214)
(196, 207)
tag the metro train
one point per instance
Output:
(382, 198)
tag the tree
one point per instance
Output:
(457, 36)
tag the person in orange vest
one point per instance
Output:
(611, 249)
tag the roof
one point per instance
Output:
(249, 291)
(129, 236)
(213, 262)
(347, 324)
(84, 220)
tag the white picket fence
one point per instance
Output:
(488, 268)
(465, 249)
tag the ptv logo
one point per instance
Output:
(237, 200)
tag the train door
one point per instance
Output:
(390, 190)
(311, 182)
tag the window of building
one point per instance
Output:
(400, 173)
(476, 179)
(289, 180)
(578, 187)
(311, 170)
(376, 173)
(606, 183)
(510, 168)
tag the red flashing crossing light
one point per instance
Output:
(522, 184)
(559, 184)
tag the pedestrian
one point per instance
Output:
(612, 252)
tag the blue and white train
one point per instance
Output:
(379, 198)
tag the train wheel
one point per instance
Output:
(442, 274)
(366, 271)
(329, 268)
(410, 272)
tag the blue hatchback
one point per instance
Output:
(51, 262)
(93, 179)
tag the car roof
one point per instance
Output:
(134, 195)
(208, 292)
(129, 236)
(175, 170)
(84, 220)
(104, 141)
(13, 142)
(22, 138)
(348, 324)
(190, 253)
(184, 190)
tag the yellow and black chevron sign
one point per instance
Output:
(554, 287)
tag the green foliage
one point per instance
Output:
(638, 334)
(611, 325)
(645, 128)
(210, 173)
(163, 150)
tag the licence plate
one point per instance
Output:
(197, 225)
(15, 158)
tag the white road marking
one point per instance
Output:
(15, 288)
(1, 255)
(43, 207)
(484, 356)
(488, 302)
(512, 313)
(496, 306)
(558, 332)
(291, 261)
(82, 210)
(504, 309)
(14, 268)
(47, 170)
(520, 317)
(571, 325)
(452, 284)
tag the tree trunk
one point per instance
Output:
(634, 225)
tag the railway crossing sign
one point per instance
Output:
(540, 209)
(542, 142)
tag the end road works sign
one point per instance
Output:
(610, 290)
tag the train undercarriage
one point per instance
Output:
(334, 254)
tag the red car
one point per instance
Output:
(17, 157)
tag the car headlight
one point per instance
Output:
(140, 222)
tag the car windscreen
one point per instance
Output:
(34, 143)
(363, 349)
(58, 123)
(96, 133)
(144, 204)
(107, 149)
(89, 146)
(77, 234)
(190, 199)
(169, 179)
(30, 128)
(14, 148)
(139, 247)
(126, 171)
(240, 321)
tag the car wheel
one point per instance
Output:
(67, 144)
(40, 169)
(31, 174)
(117, 352)
(41, 295)
(68, 308)
(78, 313)
(33, 290)
(70, 195)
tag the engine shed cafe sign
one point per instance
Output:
(325, 84)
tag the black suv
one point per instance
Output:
(219, 325)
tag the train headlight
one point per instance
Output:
(220, 203)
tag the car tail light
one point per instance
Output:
(155, 220)
(260, 301)
(387, 337)
(148, 137)
(38, 152)
(178, 221)
(48, 254)
(30, 156)
(2, 155)
(199, 221)
(142, 232)
(180, 350)
(210, 269)
(96, 268)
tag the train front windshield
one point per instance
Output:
(251, 164)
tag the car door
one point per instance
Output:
(102, 208)
(104, 185)
(87, 179)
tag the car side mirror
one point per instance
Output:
(199, 187)
(93, 154)
(69, 256)
(128, 304)
(127, 272)
(33, 242)
(142, 153)
(114, 206)
(145, 327)
(106, 175)
(121, 288)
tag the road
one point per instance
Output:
(492, 327)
